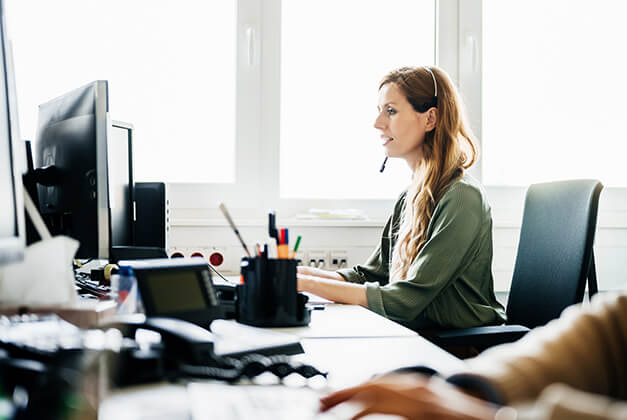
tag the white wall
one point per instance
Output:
(202, 230)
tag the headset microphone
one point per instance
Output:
(383, 164)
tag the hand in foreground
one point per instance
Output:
(412, 397)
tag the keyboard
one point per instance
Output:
(261, 402)
(38, 337)
(85, 285)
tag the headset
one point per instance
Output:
(421, 106)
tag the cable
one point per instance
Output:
(218, 273)
(82, 264)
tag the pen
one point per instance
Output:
(297, 244)
(226, 214)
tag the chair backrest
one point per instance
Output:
(554, 251)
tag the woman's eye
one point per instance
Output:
(391, 111)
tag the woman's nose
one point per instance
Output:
(378, 122)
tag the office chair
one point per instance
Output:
(555, 257)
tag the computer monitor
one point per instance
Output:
(120, 157)
(72, 138)
(11, 159)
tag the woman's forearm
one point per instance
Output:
(316, 272)
(337, 291)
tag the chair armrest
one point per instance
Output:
(479, 337)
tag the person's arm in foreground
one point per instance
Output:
(412, 397)
(574, 368)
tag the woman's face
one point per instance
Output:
(402, 128)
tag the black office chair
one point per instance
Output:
(555, 257)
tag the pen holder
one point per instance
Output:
(268, 297)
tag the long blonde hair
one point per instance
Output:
(448, 150)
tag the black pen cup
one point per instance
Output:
(269, 297)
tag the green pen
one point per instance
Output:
(296, 246)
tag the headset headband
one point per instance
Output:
(435, 83)
(431, 102)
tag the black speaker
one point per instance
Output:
(151, 214)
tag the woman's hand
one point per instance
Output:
(316, 272)
(412, 397)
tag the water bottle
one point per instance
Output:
(122, 284)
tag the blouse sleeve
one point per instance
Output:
(453, 230)
(375, 269)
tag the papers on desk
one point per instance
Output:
(333, 214)
(234, 338)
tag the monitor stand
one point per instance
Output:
(135, 253)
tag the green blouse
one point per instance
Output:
(449, 283)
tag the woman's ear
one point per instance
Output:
(432, 119)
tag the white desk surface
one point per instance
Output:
(344, 321)
(351, 361)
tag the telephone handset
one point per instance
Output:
(187, 342)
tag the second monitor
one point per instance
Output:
(88, 193)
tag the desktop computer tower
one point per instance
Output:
(151, 214)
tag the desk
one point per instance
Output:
(348, 321)
(350, 361)
(350, 342)
(84, 313)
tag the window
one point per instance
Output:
(171, 68)
(228, 96)
(553, 91)
(333, 56)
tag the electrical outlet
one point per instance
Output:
(302, 256)
(177, 253)
(317, 258)
(216, 256)
(338, 258)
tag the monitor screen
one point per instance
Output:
(11, 209)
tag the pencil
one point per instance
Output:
(226, 214)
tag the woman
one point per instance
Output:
(432, 267)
